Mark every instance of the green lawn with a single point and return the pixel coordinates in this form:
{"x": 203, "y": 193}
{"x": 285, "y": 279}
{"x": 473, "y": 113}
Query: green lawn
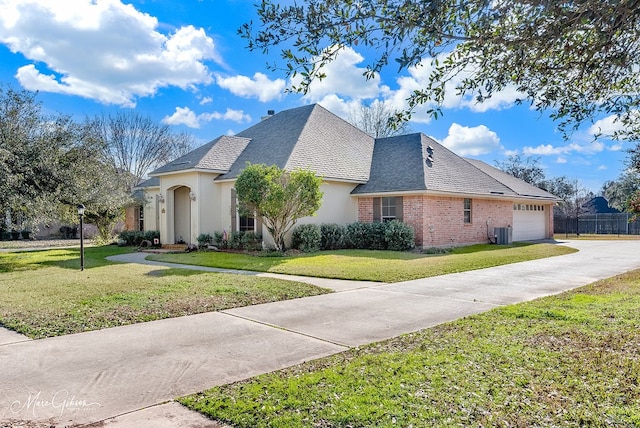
{"x": 385, "y": 266}
{"x": 566, "y": 360}
{"x": 43, "y": 293}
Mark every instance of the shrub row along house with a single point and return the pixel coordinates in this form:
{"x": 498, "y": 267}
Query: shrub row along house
{"x": 447, "y": 199}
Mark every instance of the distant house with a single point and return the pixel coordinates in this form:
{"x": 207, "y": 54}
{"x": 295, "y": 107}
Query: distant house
{"x": 447, "y": 199}
{"x": 599, "y": 205}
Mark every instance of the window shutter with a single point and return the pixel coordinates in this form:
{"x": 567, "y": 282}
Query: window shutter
{"x": 377, "y": 211}
{"x": 234, "y": 211}
{"x": 399, "y": 212}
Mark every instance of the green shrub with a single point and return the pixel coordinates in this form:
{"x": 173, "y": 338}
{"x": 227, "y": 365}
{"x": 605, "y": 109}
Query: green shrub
{"x": 251, "y": 241}
{"x": 150, "y": 235}
{"x": 376, "y": 232}
{"x": 306, "y": 238}
{"x": 399, "y": 236}
{"x": 357, "y": 236}
{"x": 220, "y": 240}
{"x": 235, "y": 240}
{"x": 204, "y": 240}
{"x": 135, "y": 237}
{"x": 332, "y": 236}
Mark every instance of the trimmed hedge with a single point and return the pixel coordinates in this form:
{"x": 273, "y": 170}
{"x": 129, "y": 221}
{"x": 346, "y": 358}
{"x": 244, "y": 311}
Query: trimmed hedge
{"x": 393, "y": 235}
{"x": 248, "y": 241}
{"x": 204, "y": 240}
{"x": 306, "y": 238}
{"x": 399, "y": 236}
{"x": 135, "y": 237}
{"x": 332, "y": 236}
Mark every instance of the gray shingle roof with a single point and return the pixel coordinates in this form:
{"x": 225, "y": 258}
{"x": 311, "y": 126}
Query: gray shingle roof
{"x": 308, "y": 137}
{"x": 150, "y": 182}
{"x": 522, "y": 188}
{"x": 217, "y": 155}
{"x": 312, "y": 137}
{"x": 400, "y": 164}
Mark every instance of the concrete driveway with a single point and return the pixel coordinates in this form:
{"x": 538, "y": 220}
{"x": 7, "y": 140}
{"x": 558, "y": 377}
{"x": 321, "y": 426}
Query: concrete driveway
{"x": 127, "y": 376}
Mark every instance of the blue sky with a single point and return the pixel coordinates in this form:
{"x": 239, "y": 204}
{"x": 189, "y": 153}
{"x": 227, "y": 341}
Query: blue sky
{"x": 183, "y": 64}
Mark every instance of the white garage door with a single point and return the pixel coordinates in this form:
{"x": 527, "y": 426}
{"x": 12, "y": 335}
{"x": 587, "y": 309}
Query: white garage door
{"x": 529, "y": 222}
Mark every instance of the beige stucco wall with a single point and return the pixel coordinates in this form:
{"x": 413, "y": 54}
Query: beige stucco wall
{"x": 338, "y": 206}
{"x": 151, "y": 208}
{"x": 201, "y": 184}
{"x": 211, "y": 209}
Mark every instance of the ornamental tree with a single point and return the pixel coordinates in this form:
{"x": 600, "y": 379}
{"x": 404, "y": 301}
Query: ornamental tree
{"x": 280, "y": 197}
{"x": 577, "y": 59}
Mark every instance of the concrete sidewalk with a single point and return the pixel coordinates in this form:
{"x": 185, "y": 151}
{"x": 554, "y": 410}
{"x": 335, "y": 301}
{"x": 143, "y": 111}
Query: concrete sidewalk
{"x": 127, "y": 376}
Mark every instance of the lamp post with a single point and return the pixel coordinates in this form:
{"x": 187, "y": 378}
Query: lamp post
{"x": 81, "y": 215}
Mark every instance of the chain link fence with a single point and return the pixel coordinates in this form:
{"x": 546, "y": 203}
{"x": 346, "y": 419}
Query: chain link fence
{"x": 609, "y": 224}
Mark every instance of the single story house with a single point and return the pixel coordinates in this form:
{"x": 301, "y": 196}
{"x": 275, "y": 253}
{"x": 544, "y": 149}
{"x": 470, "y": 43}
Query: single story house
{"x": 447, "y": 199}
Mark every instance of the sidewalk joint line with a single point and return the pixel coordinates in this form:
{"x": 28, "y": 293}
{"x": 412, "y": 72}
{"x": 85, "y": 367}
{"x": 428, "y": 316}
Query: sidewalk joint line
{"x": 287, "y": 329}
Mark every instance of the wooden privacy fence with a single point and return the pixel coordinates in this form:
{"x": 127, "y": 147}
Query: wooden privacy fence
{"x": 617, "y": 223}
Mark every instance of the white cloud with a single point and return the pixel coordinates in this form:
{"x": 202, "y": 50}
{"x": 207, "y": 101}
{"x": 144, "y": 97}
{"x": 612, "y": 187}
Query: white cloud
{"x": 544, "y": 149}
{"x": 185, "y": 116}
{"x": 206, "y": 100}
{"x": 182, "y": 116}
{"x": 344, "y": 79}
{"x": 345, "y": 86}
{"x": 102, "y": 50}
{"x": 260, "y": 86}
{"x": 339, "y": 106}
{"x": 561, "y": 159}
{"x": 606, "y": 126}
{"x": 418, "y": 78}
{"x": 230, "y": 114}
{"x": 474, "y": 141}
{"x": 548, "y": 149}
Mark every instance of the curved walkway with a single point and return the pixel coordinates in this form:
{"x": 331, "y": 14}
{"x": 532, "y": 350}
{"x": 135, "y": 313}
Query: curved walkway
{"x": 127, "y": 376}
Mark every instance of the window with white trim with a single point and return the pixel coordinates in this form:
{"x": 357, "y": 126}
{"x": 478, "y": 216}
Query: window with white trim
{"x": 467, "y": 211}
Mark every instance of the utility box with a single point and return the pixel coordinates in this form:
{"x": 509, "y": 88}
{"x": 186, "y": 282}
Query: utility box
{"x": 504, "y": 235}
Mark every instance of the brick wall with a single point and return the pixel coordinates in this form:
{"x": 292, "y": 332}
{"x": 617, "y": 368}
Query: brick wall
{"x": 549, "y": 211}
{"x": 365, "y": 210}
{"x": 438, "y": 221}
{"x": 130, "y": 220}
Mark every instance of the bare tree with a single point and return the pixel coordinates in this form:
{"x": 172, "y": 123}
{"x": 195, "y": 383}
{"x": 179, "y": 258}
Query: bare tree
{"x": 377, "y": 120}
{"x": 136, "y": 145}
{"x": 527, "y": 169}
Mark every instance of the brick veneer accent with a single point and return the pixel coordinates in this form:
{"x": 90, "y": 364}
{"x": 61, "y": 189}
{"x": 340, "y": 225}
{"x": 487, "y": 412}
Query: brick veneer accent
{"x": 130, "y": 218}
{"x": 438, "y": 221}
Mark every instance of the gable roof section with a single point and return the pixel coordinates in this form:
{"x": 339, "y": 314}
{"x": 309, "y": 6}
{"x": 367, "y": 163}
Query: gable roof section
{"x": 308, "y": 137}
{"x": 215, "y": 156}
{"x": 396, "y": 166}
{"x": 148, "y": 183}
{"x": 399, "y": 164}
{"x": 520, "y": 187}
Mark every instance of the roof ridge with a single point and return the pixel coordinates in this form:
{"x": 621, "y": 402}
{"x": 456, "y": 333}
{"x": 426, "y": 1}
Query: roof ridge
{"x": 468, "y": 160}
{"x": 474, "y": 163}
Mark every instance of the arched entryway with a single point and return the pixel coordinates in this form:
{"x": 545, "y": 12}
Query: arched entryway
{"x": 182, "y": 215}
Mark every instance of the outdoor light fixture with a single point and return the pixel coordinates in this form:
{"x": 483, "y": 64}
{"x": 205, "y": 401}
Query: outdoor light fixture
{"x": 81, "y": 215}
